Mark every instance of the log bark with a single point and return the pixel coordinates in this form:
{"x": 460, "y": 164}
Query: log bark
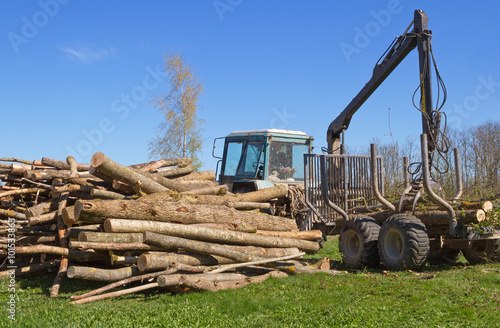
{"x": 150, "y": 166}
{"x": 264, "y": 195}
{"x": 33, "y": 240}
{"x": 54, "y": 174}
{"x": 97, "y": 210}
{"x": 125, "y": 174}
{"x": 203, "y": 175}
{"x": 12, "y": 214}
{"x": 210, "y": 234}
{"x": 228, "y": 226}
{"x": 250, "y": 206}
{"x": 182, "y": 161}
{"x": 293, "y": 267}
{"x": 484, "y": 205}
{"x": 304, "y": 235}
{"x": 215, "y": 282}
{"x": 168, "y": 242}
{"x": 103, "y": 237}
{"x": 73, "y": 232}
{"x": 116, "y": 294}
{"x": 122, "y": 282}
{"x": 81, "y": 245}
{"x": 237, "y": 253}
{"x": 12, "y": 159}
{"x": 22, "y": 191}
{"x": 97, "y": 274}
{"x": 63, "y": 165}
{"x": 437, "y": 217}
{"x": 56, "y": 250}
{"x": 153, "y": 261}
{"x": 251, "y": 266}
{"x": 106, "y": 194}
{"x": 177, "y": 171}
{"x": 214, "y": 190}
{"x": 40, "y": 209}
{"x": 44, "y": 218}
{"x": 73, "y": 166}
{"x": 61, "y": 232}
{"x": 33, "y": 268}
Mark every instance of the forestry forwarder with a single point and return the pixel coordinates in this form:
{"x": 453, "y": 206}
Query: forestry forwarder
{"x": 400, "y": 236}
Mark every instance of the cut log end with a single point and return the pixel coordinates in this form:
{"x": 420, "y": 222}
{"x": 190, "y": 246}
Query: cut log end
{"x": 97, "y": 159}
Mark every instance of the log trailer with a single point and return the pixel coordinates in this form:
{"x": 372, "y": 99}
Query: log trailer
{"x": 400, "y": 236}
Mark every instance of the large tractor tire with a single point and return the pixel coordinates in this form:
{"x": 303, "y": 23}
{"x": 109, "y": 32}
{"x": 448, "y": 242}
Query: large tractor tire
{"x": 448, "y": 256}
{"x": 483, "y": 251}
{"x": 403, "y": 243}
{"x": 358, "y": 242}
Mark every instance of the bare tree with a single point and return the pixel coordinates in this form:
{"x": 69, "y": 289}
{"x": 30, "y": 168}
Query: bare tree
{"x": 179, "y": 135}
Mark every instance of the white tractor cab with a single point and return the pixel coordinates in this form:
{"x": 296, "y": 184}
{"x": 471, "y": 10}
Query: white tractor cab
{"x": 258, "y": 159}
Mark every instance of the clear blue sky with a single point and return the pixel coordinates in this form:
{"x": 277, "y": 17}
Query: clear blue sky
{"x": 77, "y": 76}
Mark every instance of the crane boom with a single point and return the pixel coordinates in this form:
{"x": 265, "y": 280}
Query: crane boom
{"x": 418, "y": 38}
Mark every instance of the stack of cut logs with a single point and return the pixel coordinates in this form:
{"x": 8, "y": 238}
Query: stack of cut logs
{"x": 157, "y": 224}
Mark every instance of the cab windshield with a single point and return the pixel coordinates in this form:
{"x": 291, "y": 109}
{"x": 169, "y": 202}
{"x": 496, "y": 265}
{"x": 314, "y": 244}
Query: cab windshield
{"x": 244, "y": 158}
{"x": 286, "y": 161}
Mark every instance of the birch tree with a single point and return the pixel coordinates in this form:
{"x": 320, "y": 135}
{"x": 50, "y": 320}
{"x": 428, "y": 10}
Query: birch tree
{"x": 179, "y": 135}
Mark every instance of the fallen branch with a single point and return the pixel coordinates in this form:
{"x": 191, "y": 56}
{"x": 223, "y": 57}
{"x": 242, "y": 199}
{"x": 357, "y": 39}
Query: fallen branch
{"x": 116, "y": 294}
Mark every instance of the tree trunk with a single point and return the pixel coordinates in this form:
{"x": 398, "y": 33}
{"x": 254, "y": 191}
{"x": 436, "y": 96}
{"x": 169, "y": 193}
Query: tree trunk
{"x": 63, "y": 165}
{"x": 71, "y": 253}
{"x": 89, "y": 273}
{"x": 106, "y": 194}
{"x": 136, "y": 246}
{"x": 123, "y": 282}
{"x": 214, "y": 190}
{"x": 44, "y": 218}
{"x": 304, "y": 235}
{"x": 73, "y": 232}
{"x": 33, "y": 268}
{"x": 437, "y": 217}
{"x": 203, "y": 175}
{"x": 485, "y": 206}
{"x": 125, "y": 174}
{"x": 12, "y": 214}
{"x": 148, "y": 167}
{"x": 103, "y": 237}
{"x": 117, "y": 293}
{"x": 152, "y": 261}
{"x": 264, "y": 195}
{"x": 97, "y": 210}
{"x": 237, "y": 253}
{"x": 215, "y": 282}
{"x": 40, "y": 209}
{"x": 176, "y": 172}
{"x": 209, "y": 234}
{"x": 228, "y": 226}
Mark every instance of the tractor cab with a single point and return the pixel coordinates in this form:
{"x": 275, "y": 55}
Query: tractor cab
{"x": 258, "y": 159}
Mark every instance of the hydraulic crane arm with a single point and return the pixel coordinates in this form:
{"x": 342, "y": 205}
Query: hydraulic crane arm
{"x": 419, "y": 37}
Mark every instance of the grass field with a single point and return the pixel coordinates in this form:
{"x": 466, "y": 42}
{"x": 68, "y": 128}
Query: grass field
{"x": 438, "y": 296}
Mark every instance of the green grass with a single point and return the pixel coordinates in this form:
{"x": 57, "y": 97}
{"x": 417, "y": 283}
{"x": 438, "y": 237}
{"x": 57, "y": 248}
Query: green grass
{"x": 460, "y": 296}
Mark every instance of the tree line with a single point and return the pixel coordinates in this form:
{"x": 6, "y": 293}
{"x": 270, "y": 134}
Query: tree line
{"x": 479, "y": 148}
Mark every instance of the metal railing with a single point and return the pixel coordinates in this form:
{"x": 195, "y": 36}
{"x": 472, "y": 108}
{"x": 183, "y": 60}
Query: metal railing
{"x": 335, "y": 183}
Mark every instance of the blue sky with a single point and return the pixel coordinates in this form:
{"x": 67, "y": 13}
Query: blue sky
{"x": 77, "y": 76}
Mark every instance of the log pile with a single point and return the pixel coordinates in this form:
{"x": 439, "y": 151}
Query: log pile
{"x": 156, "y": 222}
{"x": 431, "y": 215}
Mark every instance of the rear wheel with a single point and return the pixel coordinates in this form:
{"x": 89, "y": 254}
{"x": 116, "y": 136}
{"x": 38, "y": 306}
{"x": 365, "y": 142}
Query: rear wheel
{"x": 483, "y": 251}
{"x": 358, "y": 242}
{"x": 403, "y": 243}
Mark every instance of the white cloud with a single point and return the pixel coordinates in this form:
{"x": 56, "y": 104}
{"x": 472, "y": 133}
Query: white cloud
{"x": 89, "y": 54}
